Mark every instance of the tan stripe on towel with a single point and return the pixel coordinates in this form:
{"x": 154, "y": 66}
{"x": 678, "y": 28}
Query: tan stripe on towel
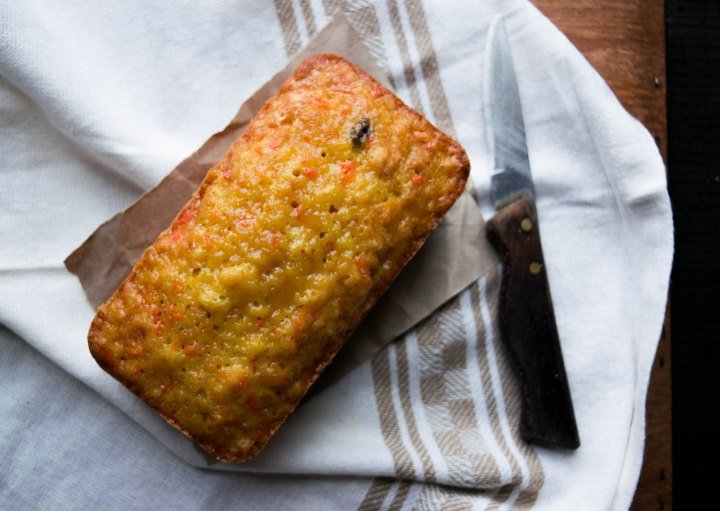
{"x": 429, "y": 66}
{"x": 400, "y": 496}
{"x": 288, "y": 26}
{"x": 388, "y": 421}
{"x": 511, "y": 394}
{"x": 483, "y": 468}
{"x": 365, "y": 21}
{"x": 309, "y": 17}
{"x": 376, "y": 494}
{"x": 526, "y": 499}
{"x": 363, "y": 18}
{"x": 434, "y": 497}
{"x": 499, "y": 498}
{"x": 402, "y": 45}
{"x": 403, "y": 384}
{"x": 333, "y": 6}
{"x": 482, "y": 330}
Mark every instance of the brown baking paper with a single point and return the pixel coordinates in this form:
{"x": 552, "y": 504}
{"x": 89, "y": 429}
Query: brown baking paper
{"x": 452, "y": 258}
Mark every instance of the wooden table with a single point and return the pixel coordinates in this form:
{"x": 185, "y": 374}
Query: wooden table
{"x": 625, "y": 41}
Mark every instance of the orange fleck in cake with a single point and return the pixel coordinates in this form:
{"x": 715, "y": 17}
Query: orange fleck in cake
{"x": 234, "y": 311}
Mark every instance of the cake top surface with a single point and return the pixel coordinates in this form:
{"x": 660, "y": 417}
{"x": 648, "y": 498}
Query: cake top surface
{"x": 231, "y": 314}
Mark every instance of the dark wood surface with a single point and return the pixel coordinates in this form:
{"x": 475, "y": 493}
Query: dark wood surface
{"x": 625, "y": 41}
{"x": 693, "y": 73}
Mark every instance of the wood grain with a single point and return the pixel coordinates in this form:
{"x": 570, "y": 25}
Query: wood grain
{"x": 625, "y": 41}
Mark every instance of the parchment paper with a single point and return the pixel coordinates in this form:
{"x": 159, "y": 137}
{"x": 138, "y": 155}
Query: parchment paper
{"x": 453, "y": 257}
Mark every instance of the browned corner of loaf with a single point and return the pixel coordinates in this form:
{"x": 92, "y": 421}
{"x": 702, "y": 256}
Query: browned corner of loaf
{"x": 464, "y": 161}
{"x": 309, "y": 64}
{"x": 95, "y": 339}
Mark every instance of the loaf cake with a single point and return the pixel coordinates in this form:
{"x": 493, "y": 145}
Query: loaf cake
{"x": 234, "y": 311}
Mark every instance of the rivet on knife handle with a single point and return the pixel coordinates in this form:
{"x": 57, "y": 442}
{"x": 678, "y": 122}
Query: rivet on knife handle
{"x": 529, "y": 330}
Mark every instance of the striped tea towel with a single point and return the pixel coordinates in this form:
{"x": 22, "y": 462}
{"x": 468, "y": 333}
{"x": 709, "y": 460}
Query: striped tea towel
{"x": 100, "y": 100}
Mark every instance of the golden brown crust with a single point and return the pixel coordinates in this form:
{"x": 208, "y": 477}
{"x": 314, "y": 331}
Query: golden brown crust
{"x": 231, "y": 315}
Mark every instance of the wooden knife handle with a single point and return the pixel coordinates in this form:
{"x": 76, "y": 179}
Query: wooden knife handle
{"x": 528, "y": 328}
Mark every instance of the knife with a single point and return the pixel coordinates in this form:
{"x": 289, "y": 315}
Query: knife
{"x": 527, "y": 319}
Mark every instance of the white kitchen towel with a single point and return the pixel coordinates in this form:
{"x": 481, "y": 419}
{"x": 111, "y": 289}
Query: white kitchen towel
{"x": 100, "y": 101}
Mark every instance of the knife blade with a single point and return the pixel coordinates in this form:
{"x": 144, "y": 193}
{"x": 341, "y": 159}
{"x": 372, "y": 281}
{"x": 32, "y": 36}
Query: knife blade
{"x": 527, "y": 318}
